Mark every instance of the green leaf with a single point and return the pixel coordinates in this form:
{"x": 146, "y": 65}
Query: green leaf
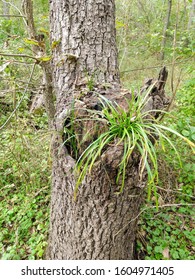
{"x": 40, "y": 226}
{"x": 119, "y": 24}
{"x": 45, "y": 58}
{"x": 2, "y": 67}
{"x": 185, "y": 132}
{"x": 21, "y": 49}
{"x": 174, "y": 255}
{"x": 55, "y": 44}
{"x": 40, "y": 253}
{"x": 43, "y": 30}
{"x": 158, "y": 249}
{"x": 31, "y": 42}
{"x": 193, "y": 136}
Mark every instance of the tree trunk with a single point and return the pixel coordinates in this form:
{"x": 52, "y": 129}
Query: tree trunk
{"x": 99, "y": 224}
{"x": 6, "y": 10}
{"x": 191, "y": 21}
{"x": 166, "y": 25}
{"x": 27, "y": 7}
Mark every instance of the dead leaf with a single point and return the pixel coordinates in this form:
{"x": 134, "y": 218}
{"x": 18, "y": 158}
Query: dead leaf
{"x": 166, "y": 254}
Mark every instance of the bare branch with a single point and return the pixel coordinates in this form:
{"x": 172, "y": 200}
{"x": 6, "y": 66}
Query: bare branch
{"x": 19, "y": 55}
{"x": 21, "y": 62}
{"x": 152, "y": 67}
{"x": 27, "y": 7}
{"x": 22, "y": 98}
{"x": 152, "y": 207}
{"x": 12, "y": 16}
{"x": 16, "y": 9}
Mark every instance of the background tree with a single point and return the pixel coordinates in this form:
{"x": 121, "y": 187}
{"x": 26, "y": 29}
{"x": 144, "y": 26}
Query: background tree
{"x": 191, "y": 16}
{"x": 166, "y": 26}
{"x": 6, "y": 9}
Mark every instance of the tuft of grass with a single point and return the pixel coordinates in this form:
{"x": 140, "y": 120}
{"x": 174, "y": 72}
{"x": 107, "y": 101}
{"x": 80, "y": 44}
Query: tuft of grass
{"x": 138, "y": 130}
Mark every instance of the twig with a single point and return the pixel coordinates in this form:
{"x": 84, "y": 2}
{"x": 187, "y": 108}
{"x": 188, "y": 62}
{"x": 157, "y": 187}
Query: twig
{"x": 151, "y": 67}
{"x": 16, "y": 9}
{"x": 39, "y": 191}
{"x": 19, "y": 81}
{"x": 21, "y": 62}
{"x": 173, "y": 191}
{"x": 174, "y": 90}
{"x": 19, "y": 55}
{"x": 12, "y": 16}
{"x": 152, "y": 207}
{"x": 19, "y": 103}
{"x": 7, "y": 187}
{"x": 3, "y": 92}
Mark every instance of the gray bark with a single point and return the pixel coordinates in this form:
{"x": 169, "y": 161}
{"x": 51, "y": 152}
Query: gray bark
{"x": 6, "y": 10}
{"x": 191, "y": 21}
{"x": 166, "y": 25}
{"x": 85, "y": 30}
{"x": 27, "y": 7}
{"x": 99, "y": 224}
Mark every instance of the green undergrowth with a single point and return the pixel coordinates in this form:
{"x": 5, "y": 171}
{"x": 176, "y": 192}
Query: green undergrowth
{"x": 24, "y": 190}
{"x": 23, "y": 222}
{"x": 169, "y": 232}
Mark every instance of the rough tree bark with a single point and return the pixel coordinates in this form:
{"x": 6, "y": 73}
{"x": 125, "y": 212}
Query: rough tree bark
{"x": 100, "y": 224}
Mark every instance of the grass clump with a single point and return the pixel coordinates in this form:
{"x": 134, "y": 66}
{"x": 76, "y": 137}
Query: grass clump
{"x": 138, "y": 130}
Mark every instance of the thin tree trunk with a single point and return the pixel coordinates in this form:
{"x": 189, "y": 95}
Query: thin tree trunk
{"x": 166, "y": 25}
{"x": 27, "y": 7}
{"x": 6, "y": 10}
{"x": 99, "y": 224}
{"x": 47, "y": 87}
{"x": 191, "y": 21}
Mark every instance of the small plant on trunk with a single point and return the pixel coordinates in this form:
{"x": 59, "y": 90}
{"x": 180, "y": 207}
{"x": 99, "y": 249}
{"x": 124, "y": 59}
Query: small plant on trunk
{"x": 137, "y": 129}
